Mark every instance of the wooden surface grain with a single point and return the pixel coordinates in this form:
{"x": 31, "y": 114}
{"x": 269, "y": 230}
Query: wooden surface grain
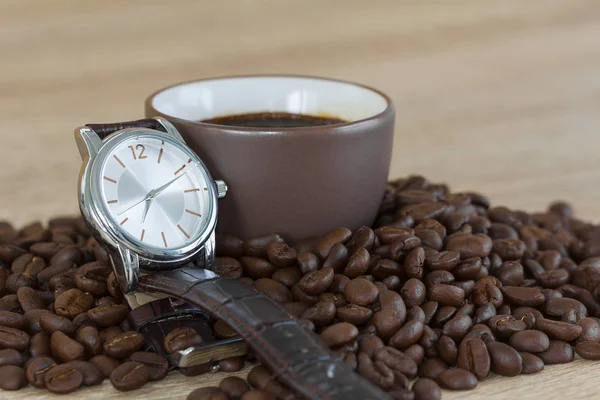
{"x": 497, "y": 96}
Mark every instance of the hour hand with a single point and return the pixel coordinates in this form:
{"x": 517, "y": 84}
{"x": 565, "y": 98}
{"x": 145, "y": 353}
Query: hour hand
{"x": 146, "y": 208}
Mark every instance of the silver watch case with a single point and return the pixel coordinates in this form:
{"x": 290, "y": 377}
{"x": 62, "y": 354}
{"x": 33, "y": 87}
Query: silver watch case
{"x": 128, "y": 257}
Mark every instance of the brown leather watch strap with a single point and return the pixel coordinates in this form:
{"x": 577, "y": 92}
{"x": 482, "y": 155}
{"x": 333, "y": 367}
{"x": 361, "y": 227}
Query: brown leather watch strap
{"x": 103, "y": 130}
{"x": 293, "y": 353}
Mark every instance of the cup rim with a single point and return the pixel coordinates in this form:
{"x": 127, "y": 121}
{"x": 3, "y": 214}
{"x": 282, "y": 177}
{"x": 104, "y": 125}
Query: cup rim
{"x": 309, "y": 129}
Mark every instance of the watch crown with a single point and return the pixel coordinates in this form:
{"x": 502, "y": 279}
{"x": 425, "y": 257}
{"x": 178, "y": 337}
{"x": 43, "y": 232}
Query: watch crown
{"x": 221, "y": 189}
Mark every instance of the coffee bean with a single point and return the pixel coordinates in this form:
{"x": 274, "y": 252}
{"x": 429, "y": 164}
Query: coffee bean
{"x": 46, "y": 250}
{"x": 358, "y": 263}
{"x": 158, "y": 366}
{"x": 447, "y": 350}
{"x": 337, "y": 258}
{"x": 532, "y": 341}
{"x": 108, "y": 315}
{"x": 51, "y": 323}
{"x": 10, "y": 357}
{"x": 532, "y": 364}
{"x": 478, "y": 245}
{"x": 8, "y": 253}
{"x": 376, "y": 372}
{"x": 590, "y": 331}
{"x": 588, "y": 350}
{"x": 339, "y": 334}
{"x": 256, "y": 267}
{"x": 413, "y": 292}
{"x": 12, "y": 377}
{"x": 89, "y": 338}
{"x": 426, "y": 389}
{"x": 473, "y": 356}
{"x": 557, "y": 353}
{"x": 256, "y": 394}
{"x": 321, "y": 313}
{"x": 387, "y": 322}
{"x": 457, "y": 379}
{"x": 414, "y": 262}
{"x": 558, "y": 329}
{"x": 73, "y": 302}
{"x": 274, "y": 289}
{"x": 130, "y": 375}
{"x": 408, "y": 334}
{"x": 316, "y": 282}
{"x": 504, "y": 359}
{"x": 396, "y": 361}
{"x": 569, "y": 310}
{"x": 369, "y": 345}
{"x": 234, "y": 386}
{"x": 228, "y": 245}
{"x": 127, "y": 343}
{"x": 64, "y": 348}
{"x": 105, "y": 364}
{"x": 363, "y": 238}
{"x": 505, "y": 326}
{"x": 208, "y": 393}
{"x": 523, "y": 296}
{"x": 92, "y": 375}
{"x": 63, "y": 379}
{"x": 12, "y": 320}
{"x": 37, "y": 368}
{"x": 92, "y": 277}
{"x": 432, "y": 368}
{"x": 360, "y": 291}
{"x": 228, "y": 266}
{"x": 457, "y": 327}
{"x": 231, "y": 364}
{"x": 288, "y": 276}
{"x": 327, "y": 241}
{"x": 447, "y": 295}
{"x": 354, "y": 314}
{"x": 11, "y": 338}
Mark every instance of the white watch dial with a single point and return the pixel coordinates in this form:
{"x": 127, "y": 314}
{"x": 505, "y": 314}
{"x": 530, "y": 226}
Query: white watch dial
{"x": 155, "y": 192}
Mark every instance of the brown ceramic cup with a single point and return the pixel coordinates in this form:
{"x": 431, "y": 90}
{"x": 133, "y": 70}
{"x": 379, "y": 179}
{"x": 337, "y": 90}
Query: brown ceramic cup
{"x": 298, "y": 182}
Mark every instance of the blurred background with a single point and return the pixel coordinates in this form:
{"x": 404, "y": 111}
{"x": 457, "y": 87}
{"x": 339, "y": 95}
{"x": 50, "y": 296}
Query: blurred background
{"x": 498, "y": 96}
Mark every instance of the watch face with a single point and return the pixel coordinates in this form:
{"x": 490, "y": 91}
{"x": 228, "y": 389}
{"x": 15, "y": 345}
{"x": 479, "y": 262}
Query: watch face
{"x": 154, "y": 191}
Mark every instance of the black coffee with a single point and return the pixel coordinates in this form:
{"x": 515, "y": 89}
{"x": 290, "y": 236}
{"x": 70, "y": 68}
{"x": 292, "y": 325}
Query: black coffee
{"x": 274, "y": 120}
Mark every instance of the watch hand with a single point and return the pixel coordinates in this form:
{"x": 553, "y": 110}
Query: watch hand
{"x": 141, "y": 201}
{"x": 146, "y": 208}
{"x": 159, "y": 190}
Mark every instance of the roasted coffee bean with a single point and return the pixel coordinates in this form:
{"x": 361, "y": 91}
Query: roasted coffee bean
{"x": 92, "y": 277}
{"x": 523, "y": 296}
{"x": 228, "y": 266}
{"x": 554, "y": 278}
{"x": 387, "y": 322}
{"x": 40, "y": 345}
{"x": 590, "y": 331}
{"x": 447, "y": 350}
{"x": 369, "y": 345}
{"x": 274, "y": 290}
{"x": 108, "y": 315}
{"x": 413, "y": 292}
{"x": 37, "y": 368}
{"x": 281, "y": 255}
{"x": 92, "y": 375}
{"x": 408, "y": 334}
{"x": 50, "y": 323}
{"x": 505, "y": 326}
{"x": 208, "y": 393}
{"x": 415, "y": 313}
{"x": 127, "y": 343}
{"x": 532, "y": 364}
{"x": 10, "y": 357}
{"x": 64, "y": 348}
{"x": 33, "y": 320}
{"x": 256, "y": 267}
{"x": 504, "y": 359}
{"x": 415, "y": 353}
{"x": 231, "y": 364}
{"x": 414, "y": 262}
{"x": 457, "y": 379}
{"x": 73, "y": 302}
{"x": 234, "y": 386}
{"x": 557, "y": 353}
{"x": 12, "y": 377}
{"x": 398, "y": 362}
{"x": 531, "y": 341}
{"x": 339, "y": 334}
{"x": 182, "y": 338}
{"x": 569, "y": 310}
{"x": 432, "y": 368}
{"x": 426, "y": 389}
{"x": 158, "y": 366}
{"x": 337, "y": 258}
{"x": 228, "y": 245}
{"x": 331, "y": 238}
{"x": 89, "y": 338}
{"x": 558, "y": 329}
{"x": 430, "y": 308}
{"x": 8, "y": 253}
{"x": 316, "y": 282}
{"x": 130, "y": 375}
{"x": 443, "y": 315}
{"x": 68, "y": 254}
{"x": 195, "y": 370}
{"x": 105, "y": 364}
{"x": 429, "y": 340}
{"x": 360, "y": 291}
{"x": 473, "y": 356}
{"x": 447, "y": 295}
{"x": 478, "y": 245}
{"x": 484, "y": 313}
{"x": 288, "y": 276}
{"x": 12, "y": 320}
{"x": 11, "y": 338}
{"x": 321, "y": 313}
{"x": 308, "y": 262}
{"x": 358, "y": 263}
{"x": 457, "y": 327}
{"x": 63, "y": 379}
{"x": 109, "y": 333}
{"x": 376, "y": 372}
{"x": 46, "y": 250}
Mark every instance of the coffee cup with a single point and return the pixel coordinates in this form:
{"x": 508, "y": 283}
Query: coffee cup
{"x": 297, "y": 181}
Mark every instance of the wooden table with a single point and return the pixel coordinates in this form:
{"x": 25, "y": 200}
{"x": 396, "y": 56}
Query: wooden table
{"x": 497, "y": 96}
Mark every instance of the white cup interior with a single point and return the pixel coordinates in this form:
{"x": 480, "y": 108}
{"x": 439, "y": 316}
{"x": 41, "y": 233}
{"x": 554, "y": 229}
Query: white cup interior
{"x": 201, "y": 100}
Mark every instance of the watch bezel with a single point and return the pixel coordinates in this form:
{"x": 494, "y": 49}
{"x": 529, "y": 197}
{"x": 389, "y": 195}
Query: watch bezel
{"x": 107, "y": 230}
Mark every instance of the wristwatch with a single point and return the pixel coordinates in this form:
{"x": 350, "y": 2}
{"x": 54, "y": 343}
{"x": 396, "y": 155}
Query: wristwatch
{"x": 151, "y": 202}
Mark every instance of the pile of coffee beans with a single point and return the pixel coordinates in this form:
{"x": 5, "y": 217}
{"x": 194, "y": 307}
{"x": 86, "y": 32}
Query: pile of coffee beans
{"x": 442, "y": 292}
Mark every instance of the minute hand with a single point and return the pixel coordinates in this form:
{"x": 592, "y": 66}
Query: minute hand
{"x": 157, "y": 191}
